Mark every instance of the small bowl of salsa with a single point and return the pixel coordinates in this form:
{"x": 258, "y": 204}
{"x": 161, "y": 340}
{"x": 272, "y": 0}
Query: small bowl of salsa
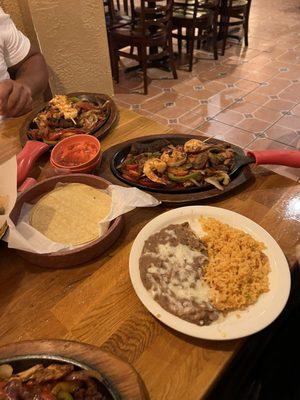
{"x": 80, "y": 153}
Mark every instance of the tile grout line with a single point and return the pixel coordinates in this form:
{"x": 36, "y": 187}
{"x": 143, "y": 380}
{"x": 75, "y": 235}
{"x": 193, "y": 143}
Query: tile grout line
{"x": 234, "y": 102}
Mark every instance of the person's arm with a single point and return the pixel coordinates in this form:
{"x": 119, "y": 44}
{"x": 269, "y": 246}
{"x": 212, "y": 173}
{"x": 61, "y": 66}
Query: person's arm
{"x": 30, "y": 77}
{"x": 32, "y": 72}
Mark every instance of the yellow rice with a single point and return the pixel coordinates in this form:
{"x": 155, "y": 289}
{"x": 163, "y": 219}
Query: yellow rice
{"x": 237, "y": 271}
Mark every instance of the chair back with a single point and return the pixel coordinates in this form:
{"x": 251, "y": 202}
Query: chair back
{"x": 115, "y": 10}
{"x": 191, "y": 8}
{"x": 227, "y": 5}
{"x": 156, "y": 18}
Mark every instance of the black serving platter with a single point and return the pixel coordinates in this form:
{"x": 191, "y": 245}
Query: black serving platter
{"x": 121, "y": 155}
{"x": 113, "y": 156}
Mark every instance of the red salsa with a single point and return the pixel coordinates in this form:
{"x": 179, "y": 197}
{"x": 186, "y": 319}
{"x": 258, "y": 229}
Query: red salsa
{"x": 76, "y": 154}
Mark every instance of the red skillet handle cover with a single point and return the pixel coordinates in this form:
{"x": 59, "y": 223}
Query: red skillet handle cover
{"x": 26, "y": 184}
{"x": 289, "y": 158}
{"x": 27, "y": 157}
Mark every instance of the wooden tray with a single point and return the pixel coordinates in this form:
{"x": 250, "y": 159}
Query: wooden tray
{"x": 68, "y": 258}
{"x": 100, "y": 133}
{"x": 242, "y": 176}
{"x": 122, "y": 377}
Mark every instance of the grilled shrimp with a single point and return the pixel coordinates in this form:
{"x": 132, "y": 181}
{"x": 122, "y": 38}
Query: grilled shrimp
{"x": 153, "y": 167}
{"x": 194, "y": 146}
{"x": 174, "y": 157}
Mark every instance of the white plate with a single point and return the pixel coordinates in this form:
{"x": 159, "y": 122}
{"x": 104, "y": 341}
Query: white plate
{"x": 235, "y": 324}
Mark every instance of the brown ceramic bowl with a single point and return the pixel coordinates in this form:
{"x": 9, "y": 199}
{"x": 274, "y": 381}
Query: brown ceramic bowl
{"x": 68, "y": 258}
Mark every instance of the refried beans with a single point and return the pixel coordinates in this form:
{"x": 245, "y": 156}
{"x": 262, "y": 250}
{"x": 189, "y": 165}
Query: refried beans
{"x": 171, "y": 268}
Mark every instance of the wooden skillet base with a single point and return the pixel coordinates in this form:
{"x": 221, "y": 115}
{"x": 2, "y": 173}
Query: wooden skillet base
{"x": 173, "y": 199}
{"x": 121, "y": 375}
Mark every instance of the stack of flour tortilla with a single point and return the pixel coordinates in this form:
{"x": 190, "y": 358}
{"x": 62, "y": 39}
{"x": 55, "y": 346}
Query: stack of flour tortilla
{"x": 71, "y": 214}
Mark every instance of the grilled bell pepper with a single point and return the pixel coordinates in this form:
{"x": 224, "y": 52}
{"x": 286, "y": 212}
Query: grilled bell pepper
{"x": 65, "y": 387}
{"x": 193, "y": 175}
{"x": 64, "y": 396}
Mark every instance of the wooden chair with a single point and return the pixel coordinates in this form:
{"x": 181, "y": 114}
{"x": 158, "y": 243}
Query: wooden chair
{"x": 151, "y": 34}
{"x": 238, "y": 10}
{"x": 191, "y": 15}
{"x": 115, "y": 14}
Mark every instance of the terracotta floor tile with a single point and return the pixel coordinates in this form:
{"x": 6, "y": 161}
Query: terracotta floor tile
{"x": 182, "y": 105}
{"x": 291, "y": 93}
{"x": 260, "y": 60}
{"x": 234, "y": 92}
{"x": 273, "y": 87}
{"x": 273, "y": 68}
{"x": 292, "y": 72}
{"x": 267, "y": 114}
{"x": 161, "y": 101}
{"x": 291, "y": 57}
{"x": 165, "y": 83}
{"x": 206, "y": 75}
{"x": 296, "y": 110}
{"x": 228, "y": 79}
{"x": 244, "y": 107}
{"x": 229, "y": 117}
{"x": 207, "y": 110}
{"x": 257, "y": 76}
{"x": 279, "y": 104}
{"x": 275, "y": 51}
{"x": 220, "y": 100}
{"x": 242, "y": 53}
{"x": 282, "y": 134}
{"x": 191, "y": 119}
{"x": 256, "y": 98}
{"x": 171, "y": 112}
{"x": 291, "y": 122}
{"x": 247, "y": 85}
{"x": 237, "y": 136}
{"x": 213, "y": 128}
{"x": 198, "y": 94}
{"x": 253, "y": 125}
{"x": 215, "y": 86}
{"x": 266, "y": 144}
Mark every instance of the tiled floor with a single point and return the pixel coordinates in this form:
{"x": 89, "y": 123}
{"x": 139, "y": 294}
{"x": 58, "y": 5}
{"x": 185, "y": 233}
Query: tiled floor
{"x": 249, "y": 97}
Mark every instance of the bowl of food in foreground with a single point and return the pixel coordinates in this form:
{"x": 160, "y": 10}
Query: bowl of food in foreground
{"x": 68, "y": 115}
{"x": 67, "y": 209}
{"x": 209, "y": 272}
{"x": 83, "y": 371}
{"x": 80, "y": 153}
{"x": 176, "y": 168}
{"x": 52, "y": 378}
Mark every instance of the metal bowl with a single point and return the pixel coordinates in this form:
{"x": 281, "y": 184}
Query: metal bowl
{"x": 20, "y": 363}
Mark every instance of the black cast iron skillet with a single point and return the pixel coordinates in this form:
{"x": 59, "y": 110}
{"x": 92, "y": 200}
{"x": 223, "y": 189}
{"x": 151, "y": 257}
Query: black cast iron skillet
{"x": 281, "y": 157}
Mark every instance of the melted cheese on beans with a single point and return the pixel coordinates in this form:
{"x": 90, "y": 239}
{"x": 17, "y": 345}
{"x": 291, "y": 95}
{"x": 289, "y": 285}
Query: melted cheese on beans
{"x": 177, "y": 278}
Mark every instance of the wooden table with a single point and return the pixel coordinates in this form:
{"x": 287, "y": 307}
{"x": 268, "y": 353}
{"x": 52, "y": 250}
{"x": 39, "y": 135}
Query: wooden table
{"x": 96, "y": 304}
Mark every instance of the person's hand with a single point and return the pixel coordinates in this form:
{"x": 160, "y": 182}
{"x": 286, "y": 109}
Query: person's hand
{"x": 15, "y": 98}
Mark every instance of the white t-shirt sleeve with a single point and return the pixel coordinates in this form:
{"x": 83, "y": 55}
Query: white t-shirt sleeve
{"x": 16, "y": 45}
